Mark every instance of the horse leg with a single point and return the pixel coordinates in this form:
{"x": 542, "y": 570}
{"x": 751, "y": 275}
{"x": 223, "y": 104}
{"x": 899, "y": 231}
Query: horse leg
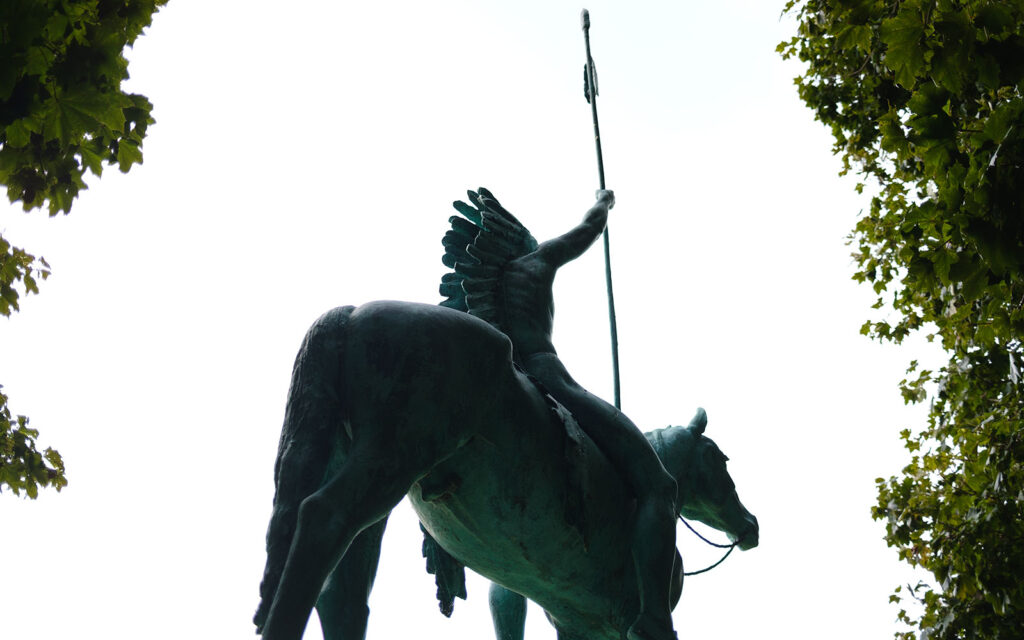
{"x": 508, "y": 612}
{"x": 378, "y": 471}
{"x": 365, "y": 489}
{"x": 342, "y": 603}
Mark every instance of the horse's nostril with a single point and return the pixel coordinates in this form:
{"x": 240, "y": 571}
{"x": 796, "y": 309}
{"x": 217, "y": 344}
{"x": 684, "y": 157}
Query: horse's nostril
{"x": 750, "y": 540}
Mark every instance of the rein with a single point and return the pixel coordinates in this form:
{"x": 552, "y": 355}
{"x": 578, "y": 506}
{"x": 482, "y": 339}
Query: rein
{"x": 730, "y": 547}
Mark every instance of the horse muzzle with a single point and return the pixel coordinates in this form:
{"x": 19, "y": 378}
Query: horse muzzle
{"x": 750, "y": 536}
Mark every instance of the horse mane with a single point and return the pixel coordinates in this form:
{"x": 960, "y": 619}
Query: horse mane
{"x": 674, "y": 449}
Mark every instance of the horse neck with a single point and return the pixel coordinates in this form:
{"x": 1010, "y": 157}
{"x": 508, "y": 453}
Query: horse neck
{"x": 676, "y": 447}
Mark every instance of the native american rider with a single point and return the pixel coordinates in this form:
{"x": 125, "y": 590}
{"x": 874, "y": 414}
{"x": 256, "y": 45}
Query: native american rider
{"x": 503, "y": 276}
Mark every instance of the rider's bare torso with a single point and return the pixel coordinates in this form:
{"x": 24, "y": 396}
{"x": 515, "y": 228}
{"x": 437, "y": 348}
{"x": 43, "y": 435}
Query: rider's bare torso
{"x": 527, "y": 282}
{"x": 529, "y": 305}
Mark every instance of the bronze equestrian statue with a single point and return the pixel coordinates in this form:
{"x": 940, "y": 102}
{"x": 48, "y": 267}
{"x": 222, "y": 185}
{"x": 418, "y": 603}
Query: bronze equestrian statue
{"x": 514, "y": 469}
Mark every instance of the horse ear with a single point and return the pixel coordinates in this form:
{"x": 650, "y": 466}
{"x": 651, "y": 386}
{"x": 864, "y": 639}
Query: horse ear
{"x": 699, "y": 422}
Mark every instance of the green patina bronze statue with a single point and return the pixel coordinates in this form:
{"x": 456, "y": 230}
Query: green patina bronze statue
{"x": 514, "y": 469}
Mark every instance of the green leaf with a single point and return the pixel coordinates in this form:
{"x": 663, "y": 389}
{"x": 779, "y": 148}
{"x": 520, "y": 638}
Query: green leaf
{"x": 942, "y": 261}
{"x": 855, "y": 36}
{"x": 987, "y": 71}
{"x": 929, "y": 100}
{"x": 999, "y": 123}
{"x": 937, "y": 156}
{"x": 902, "y": 36}
{"x": 19, "y": 132}
{"x": 948, "y": 68}
{"x": 56, "y": 26}
{"x": 76, "y": 113}
{"x": 950, "y": 63}
{"x": 55, "y": 125}
{"x": 38, "y": 60}
{"x": 91, "y": 160}
{"x": 94, "y": 108}
{"x": 975, "y": 284}
{"x": 128, "y": 153}
{"x": 995, "y": 18}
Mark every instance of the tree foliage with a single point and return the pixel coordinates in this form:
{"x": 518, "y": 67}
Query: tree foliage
{"x": 62, "y": 112}
{"x": 923, "y": 97}
{"x": 22, "y": 467}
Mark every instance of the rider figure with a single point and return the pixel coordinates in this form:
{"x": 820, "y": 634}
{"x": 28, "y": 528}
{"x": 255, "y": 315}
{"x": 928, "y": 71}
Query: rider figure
{"x": 529, "y": 305}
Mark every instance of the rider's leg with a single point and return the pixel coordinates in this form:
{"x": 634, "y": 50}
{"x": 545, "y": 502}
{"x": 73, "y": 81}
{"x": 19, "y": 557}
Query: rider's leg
{"x": 508, "y": 612}
{"x": 653, "y": 544}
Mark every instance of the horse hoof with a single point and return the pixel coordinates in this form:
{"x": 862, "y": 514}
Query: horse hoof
{"x": 645, "y": 627}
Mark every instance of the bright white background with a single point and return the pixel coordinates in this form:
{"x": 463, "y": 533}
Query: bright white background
{"x": 304, "y": 157}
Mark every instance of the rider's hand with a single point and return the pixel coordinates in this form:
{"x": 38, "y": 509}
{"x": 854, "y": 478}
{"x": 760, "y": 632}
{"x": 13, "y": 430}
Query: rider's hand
{"x": 606, "y": 196}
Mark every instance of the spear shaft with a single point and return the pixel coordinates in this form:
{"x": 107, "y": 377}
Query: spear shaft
{"x": 590, "y": 89}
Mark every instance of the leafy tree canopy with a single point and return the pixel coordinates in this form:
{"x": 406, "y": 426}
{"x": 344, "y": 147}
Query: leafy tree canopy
{"x": 62, "y": 112}
{"x": 923, "y": 97}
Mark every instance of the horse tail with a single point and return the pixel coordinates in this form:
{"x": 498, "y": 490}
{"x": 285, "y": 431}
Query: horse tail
{"x": 313, "y": 436}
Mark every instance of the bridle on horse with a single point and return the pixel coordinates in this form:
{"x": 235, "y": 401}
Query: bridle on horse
{"x": 730, "y": 547}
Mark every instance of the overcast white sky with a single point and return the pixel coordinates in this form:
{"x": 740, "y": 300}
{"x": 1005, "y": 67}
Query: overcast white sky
{"x": 305, "y": 157}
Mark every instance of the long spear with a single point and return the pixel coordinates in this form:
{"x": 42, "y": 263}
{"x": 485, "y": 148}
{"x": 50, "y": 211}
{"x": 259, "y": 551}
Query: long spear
{"x": 590, "y": 92}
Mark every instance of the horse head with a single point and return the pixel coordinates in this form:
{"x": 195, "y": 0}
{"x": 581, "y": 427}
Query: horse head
{"x": 706, "y": 492}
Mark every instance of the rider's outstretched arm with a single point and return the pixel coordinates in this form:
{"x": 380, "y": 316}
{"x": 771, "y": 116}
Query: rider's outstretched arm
{"x": 571, "y": 245}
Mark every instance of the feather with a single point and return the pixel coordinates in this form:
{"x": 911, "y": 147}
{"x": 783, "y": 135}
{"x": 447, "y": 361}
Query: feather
{"x": 463, "y": 226}
{"x": 466, "y": 210}
{"x": 483, "y": 256}
{"x": 509, "y": 226}
{"x": 459, "y": 304}
{"x": 477, "y": 270}
{"x": 496, "y": 222}
{"x": 514, "y": 239}
{"x": 491, "y": 204}
{"x": 450, "y": 259}
{"x": 452, "y": 290}
{"x": 454, "y": 239}
{"x": 494, "y": 245}
{"x": 479, "y": 286}
{"x": 457, "y": 249}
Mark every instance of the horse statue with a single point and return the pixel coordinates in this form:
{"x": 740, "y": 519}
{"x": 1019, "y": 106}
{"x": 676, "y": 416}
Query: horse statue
{"x": 394, "y": 398}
